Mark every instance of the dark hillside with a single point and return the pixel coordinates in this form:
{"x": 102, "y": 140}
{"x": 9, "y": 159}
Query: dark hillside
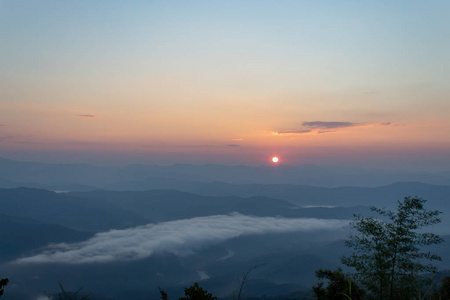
{"x": 69, "y": 211}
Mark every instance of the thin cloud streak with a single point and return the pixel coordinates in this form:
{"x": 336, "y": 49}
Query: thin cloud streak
{"x": 320, "y": 127}
{"x": 5, "y": 138}
{"x": 181, "y": 237}
{"x": 329, "y": 125}
{"x": 291, "y": 132}
{"x": 86, "y": 116}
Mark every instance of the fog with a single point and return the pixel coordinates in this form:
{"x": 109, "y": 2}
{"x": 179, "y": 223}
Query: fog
{"x": 181, "y": 237}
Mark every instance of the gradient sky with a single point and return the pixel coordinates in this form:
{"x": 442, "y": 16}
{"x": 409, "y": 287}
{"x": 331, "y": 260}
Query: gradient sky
{"x": 360, "y": 83}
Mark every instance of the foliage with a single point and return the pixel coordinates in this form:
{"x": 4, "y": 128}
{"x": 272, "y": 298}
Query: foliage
{"x": 3, "y": 284}
{"x": 163, "y": 293}
{"x": 195, "y": 292}
{"x": 388, "y": 258}
{"x": 64, "y": 295}
{"x": 340, "y": 286}
{"x": 444, "y": 291}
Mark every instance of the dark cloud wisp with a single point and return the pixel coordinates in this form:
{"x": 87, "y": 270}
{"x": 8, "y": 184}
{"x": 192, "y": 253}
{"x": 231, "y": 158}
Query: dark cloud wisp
{"x": 328, "y": 125}
{"x": 294, "y": 131}
{"x": 8, "y": 137}
{"x": 319, "y": 127}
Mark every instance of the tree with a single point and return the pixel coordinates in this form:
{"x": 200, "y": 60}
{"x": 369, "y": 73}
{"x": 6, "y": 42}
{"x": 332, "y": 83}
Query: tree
{"x": 3, "y": 284}
{"x": 388, "y": 258}
{"x": 243, "y": 281}
{"x": 340, "y": 286}
{"x": 443, "y": 293}
{"x": 195, "y": 292}
{"x": 64, "y": 295}
{"x": 163, "y": 293}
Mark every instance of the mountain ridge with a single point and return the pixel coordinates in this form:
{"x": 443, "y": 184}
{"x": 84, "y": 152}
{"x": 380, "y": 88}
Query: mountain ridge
{"x": 54, "y": 175}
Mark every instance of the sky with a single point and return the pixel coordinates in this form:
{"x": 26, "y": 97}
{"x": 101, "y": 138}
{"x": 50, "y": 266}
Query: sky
{"x": 357, "y": 83}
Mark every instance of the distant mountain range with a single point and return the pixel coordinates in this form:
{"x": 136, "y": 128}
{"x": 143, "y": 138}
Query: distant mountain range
{"x": 83, "y": 177}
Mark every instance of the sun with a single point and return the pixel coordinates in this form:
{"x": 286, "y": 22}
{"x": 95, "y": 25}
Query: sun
{"x": 275, "y": 159}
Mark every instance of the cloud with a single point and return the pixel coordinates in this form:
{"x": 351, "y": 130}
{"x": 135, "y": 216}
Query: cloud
{"x": 181, "y": 237}
{"x": 28, "y": 143}
{"x": 230, "y": 254}
{"x": 328, "y": 125}
{"x": 5, "y": 138}
{"x": 319, "y": 127}
{"x": 324, "y": 131}
{"x": 86, "y": 116}
{"x": 233, "y": 145}
{"x": 291, "y": 132}
{"x": 203, "y": 275}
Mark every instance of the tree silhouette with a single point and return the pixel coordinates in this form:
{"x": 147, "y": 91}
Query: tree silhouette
{"x": 340, "y": 286}
{"x": 388, "y": 258}
{"x": 444, "y": 291}
{"x": 3, "y": 284}
{"x": 65, "y": 295}
{"x": 243, "y": 281}
{"x": 163, "y": 293}
{"x": 195, "y": 292}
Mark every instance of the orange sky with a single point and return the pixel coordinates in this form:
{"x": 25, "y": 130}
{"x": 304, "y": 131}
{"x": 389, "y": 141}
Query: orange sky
{"x": 234, "y": 82}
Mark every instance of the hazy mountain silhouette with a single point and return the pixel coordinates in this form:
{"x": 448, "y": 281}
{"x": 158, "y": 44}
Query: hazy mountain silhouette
{"x": 82, "y": 177}
{"x": 340, "y": 196}
{"x": 19, "y": 236}
{"x": 165, "y": 205}
{"x": 53, "y": 208}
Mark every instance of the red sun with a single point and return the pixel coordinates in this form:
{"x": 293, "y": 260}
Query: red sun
{"x": 275, "y": 159}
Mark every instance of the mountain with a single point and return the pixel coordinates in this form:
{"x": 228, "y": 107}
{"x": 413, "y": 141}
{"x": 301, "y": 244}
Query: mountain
{"x": 83, "y": 177}
{"x": 103, "y": 210}
{"x": 19, "y": 236}
{"x": 339, "y": 196}
{"x": 75, "y": 213}
{"x": 344, "y": 200}
{"x": 166, "y": 205}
